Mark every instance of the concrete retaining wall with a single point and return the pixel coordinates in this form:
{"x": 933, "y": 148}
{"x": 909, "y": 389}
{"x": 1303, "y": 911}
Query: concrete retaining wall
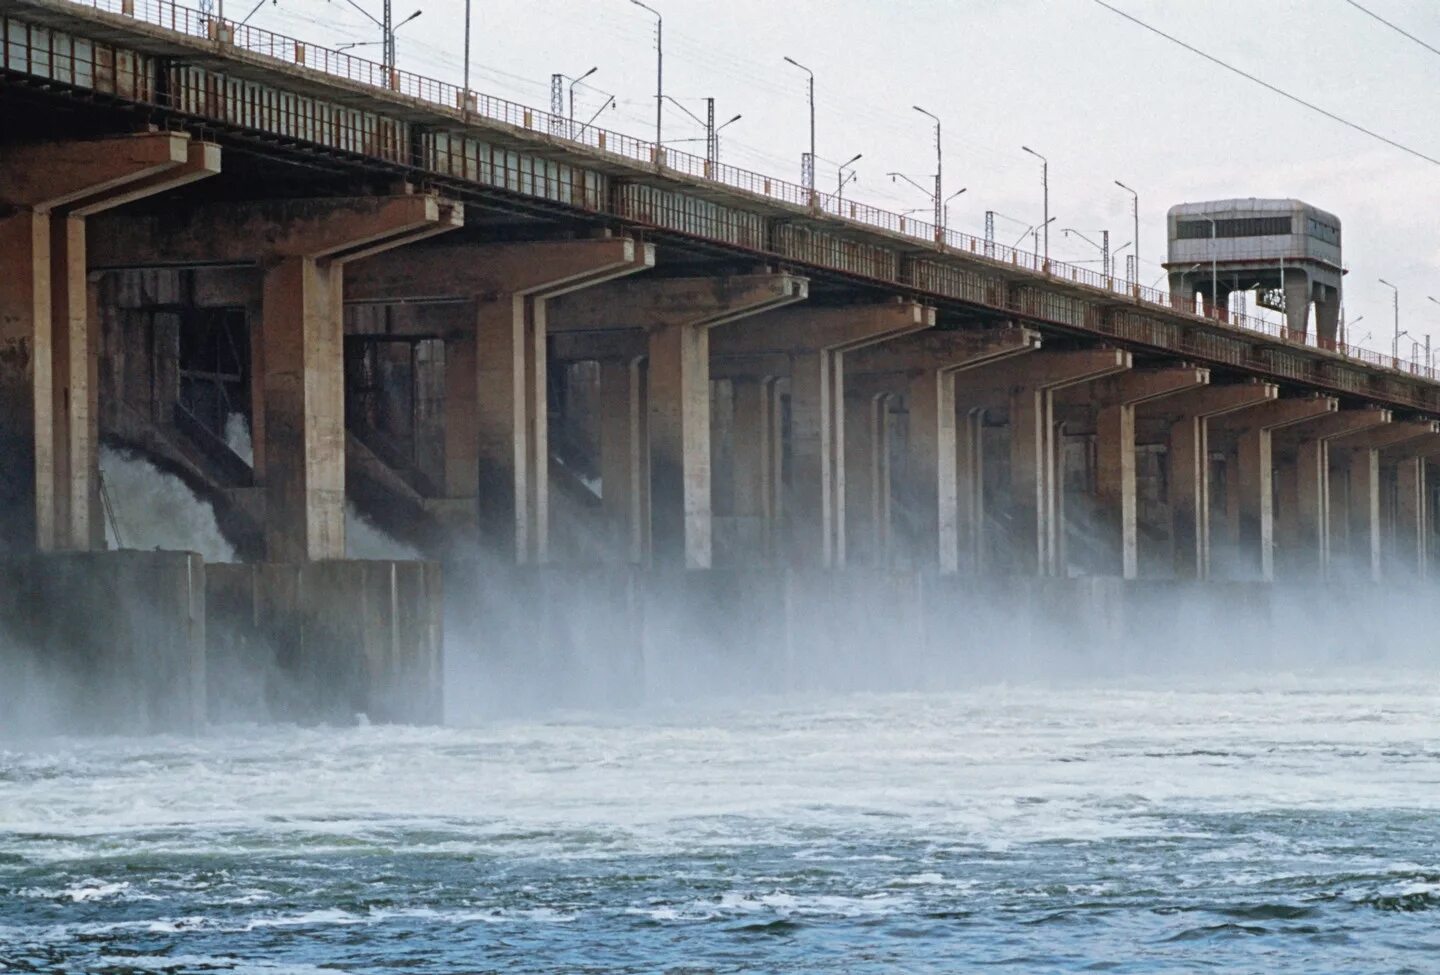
{"x": 102, "y": 642}
{"x": 326, "y": 641}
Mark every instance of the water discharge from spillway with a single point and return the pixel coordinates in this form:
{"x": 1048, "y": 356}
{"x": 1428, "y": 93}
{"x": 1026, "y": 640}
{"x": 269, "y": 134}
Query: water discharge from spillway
{"x": 572, "y": 643}
{"x": 150, "y": 508}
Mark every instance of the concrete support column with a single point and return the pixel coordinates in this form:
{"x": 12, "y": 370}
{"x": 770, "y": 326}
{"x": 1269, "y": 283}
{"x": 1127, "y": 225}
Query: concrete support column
{"x": 1307, "y": 510}
{"x": 1189, "y": 460}
{"x": 512, "y": 430}
{"x": 1297, "y": 302}
{"x": 678, "y": 401}
{"x": 1251, "y": 488}
{"x": 75, "y": 403}
{"x": 675, "y": 315}
{"x": 302, "y": 247}
{"x": 48, "y": 390}
{"x": 624, "y": 456}
{"x": 1412, "y": 530}
{"x": 1412, "y": 523}
{"x": 461, "y": 436}
{"x": 814, "y": 342}
{"x": 1302, "y": 460}
{"x": 1362, "y": 478}
{"x": 931, "y": 401}
{"x": 970, "y": 487}
{"x": 27, "y": 424}
{"x": 815, "y": 524}
{"x": 1114, "y": 403}
{"x": 925, "y": 366}
{"x": 302, "y": 387}
{"x": 756, "y": 456}
{"x": 1255, "y": 523}
{"x": 1327, "y": 317}
{"x": 1031, "y": 460}
{"x": 1190, "y": 417}
{"x": 867, "y": 479}
{"x": 1359, "y": 458}
{"x": 512, "y": 287}
{"x": 1036, "y": 503}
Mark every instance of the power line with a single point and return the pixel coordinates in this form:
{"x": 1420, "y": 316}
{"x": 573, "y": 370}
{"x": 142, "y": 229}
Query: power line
{"x": 1279, "y": 91}
{"x": 1395, "y": 27}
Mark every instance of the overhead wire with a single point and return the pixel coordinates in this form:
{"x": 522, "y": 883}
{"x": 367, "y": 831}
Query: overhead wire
{"x": 1395, "y": 27}
{"x": 1393, "y": 143}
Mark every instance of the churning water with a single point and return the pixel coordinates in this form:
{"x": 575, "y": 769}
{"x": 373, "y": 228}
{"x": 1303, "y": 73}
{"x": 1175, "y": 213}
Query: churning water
{"x": 1273, "y": 824}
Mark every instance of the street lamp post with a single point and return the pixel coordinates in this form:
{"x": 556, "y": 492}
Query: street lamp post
{"x": 714, "y": 142}
{"x": 1345, "y": 329}
{"x": 573, "y": 83}
{"x": 1397, "y": 309}
{"x": 946, "y": 206}
{"x": 1033, "y": 232}
{"x": 842, "y": 177}
{"x": 807, "y": 168}
{"x": 1134, "y": 212}
{"x": 1115, "y": 256}
{"x": 1428, "y": 362}
{"x": 659, "y": 71}
{"x": 1214, "y": 277}
{"x": 1045, "y": 188}
{"x": 1395, "y": 347}
{"x": 939, "y": 169}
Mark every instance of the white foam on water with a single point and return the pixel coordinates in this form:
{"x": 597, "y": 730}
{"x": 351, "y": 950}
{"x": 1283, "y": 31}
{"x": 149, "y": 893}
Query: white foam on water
{"x": 987, "y": 769}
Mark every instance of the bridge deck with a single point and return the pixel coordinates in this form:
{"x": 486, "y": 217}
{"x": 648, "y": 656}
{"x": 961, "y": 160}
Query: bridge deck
{"x": 300, "y": 98}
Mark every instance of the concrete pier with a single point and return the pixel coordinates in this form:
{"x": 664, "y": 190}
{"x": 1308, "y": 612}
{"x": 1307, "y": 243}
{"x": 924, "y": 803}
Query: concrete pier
{"x": 1249, "y": 476}
{"x": 928, "y": 365}
{"x": 1187, "y": 417}
{"x": 1027, "y": 388}
{"x": 674, "y": 317}
{"x": 48, "y": 410}
{"x": 496, "y": 429}
{"x": 1113, "y": 403}
{"x": 809, "y": 345}
{"x": 299, "y": 250}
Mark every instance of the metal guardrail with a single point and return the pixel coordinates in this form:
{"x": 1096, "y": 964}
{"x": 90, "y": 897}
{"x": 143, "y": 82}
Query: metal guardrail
{"x": 338, "y": 64}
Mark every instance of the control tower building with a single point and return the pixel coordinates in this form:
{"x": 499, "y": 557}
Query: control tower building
{"x": 1285, "y": 250}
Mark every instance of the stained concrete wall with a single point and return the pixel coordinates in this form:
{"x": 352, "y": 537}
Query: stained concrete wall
{"x": 326, "y": 641}
{"x": 103, "y": 642}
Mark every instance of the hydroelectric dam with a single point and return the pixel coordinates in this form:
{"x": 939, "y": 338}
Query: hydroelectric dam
{"x": 619, "y": 399}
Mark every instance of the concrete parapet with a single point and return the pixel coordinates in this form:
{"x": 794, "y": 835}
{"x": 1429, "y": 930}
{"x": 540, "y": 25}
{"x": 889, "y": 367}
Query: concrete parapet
{"x": 103, "y": 642}
{"x": 326, "y": 641}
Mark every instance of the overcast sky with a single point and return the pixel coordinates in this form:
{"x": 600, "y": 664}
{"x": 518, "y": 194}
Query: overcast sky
{"x": 1102, "y": 98}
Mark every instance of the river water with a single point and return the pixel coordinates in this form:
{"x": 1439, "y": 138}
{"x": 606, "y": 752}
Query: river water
{"x": 1280, "y": 823}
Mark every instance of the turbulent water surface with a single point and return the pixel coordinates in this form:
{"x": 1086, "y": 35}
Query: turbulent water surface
{"x": 1277, "y": 825}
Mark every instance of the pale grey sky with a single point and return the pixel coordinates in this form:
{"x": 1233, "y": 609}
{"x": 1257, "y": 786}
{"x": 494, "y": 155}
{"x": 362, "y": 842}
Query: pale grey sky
{"x": 1102, "y": 98}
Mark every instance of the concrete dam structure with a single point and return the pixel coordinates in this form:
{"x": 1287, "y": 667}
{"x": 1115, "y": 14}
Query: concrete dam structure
{"x": 620, "y": 397}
